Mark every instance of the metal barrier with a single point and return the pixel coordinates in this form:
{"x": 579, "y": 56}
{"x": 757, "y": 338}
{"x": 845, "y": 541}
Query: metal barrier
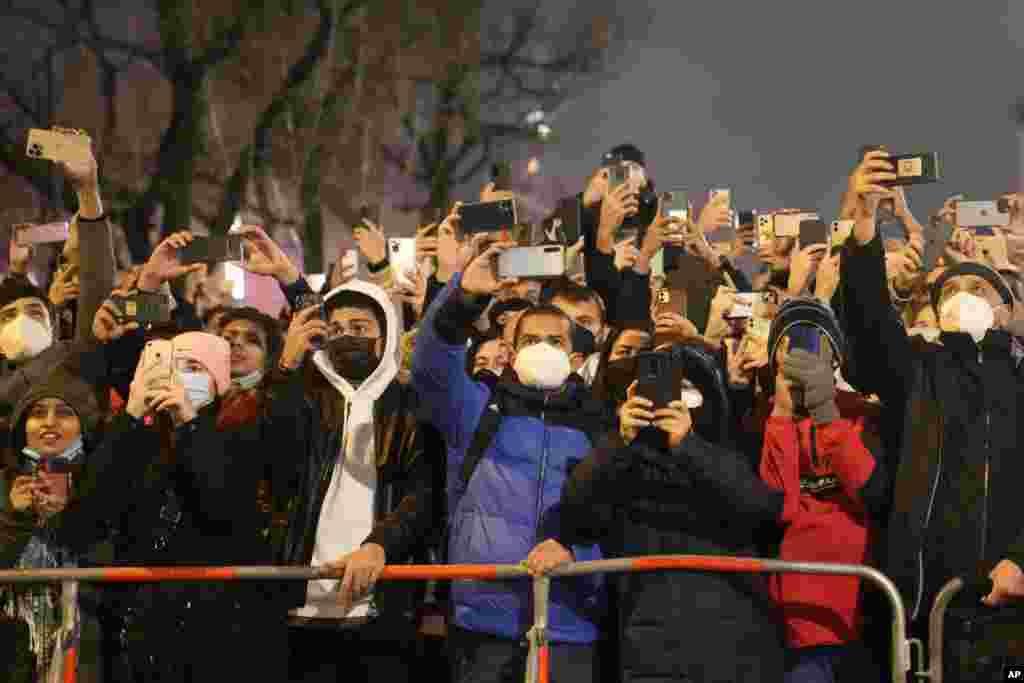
{"x": 537, "y": 660}
{"x": 936, "y": 623}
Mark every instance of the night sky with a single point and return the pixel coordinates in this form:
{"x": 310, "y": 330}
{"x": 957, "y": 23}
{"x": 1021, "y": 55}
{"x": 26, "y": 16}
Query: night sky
{"x": 773, "y": 99}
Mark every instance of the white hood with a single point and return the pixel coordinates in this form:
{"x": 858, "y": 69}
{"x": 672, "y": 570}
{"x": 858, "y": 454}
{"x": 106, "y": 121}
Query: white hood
{"x": 347, "y": 514}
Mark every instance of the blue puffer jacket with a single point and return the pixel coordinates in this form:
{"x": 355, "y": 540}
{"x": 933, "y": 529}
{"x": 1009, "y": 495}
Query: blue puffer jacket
{"x": 512, "y": 500}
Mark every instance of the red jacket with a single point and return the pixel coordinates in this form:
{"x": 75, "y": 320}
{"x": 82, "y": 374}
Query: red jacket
{"x": 825, "y": 520}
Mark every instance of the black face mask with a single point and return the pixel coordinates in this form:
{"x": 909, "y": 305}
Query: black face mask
{"x": 583, "y": 341}
{"x": 618, "y": 375}
{"x": 487, "y": 377}
{"x": 353, "y": 357}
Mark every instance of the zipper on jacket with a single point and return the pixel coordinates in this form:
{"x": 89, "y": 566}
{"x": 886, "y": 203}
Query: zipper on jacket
{"x": 542, "y": 470}
{"x": 924, "y": 536}
{"x": 984, "y": 497}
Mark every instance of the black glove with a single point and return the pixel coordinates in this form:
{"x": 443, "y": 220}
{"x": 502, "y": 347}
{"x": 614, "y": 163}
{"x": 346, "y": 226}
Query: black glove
{"x": 812, "y": 373}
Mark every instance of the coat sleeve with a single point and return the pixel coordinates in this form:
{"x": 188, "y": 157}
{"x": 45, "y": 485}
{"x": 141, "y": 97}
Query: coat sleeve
{"x": 401, "y": 530}
{"x": 592, "y": 497}
{"x": 15, "y": 527}
{"x": 96, "y": 274}
{"x": 881, "y": 356}
{"x": 111, "y": 473}
{"x": 449, "y": 398}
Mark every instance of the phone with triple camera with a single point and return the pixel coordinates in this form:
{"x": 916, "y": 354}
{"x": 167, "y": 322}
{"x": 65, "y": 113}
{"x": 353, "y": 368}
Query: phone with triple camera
{"x": 212, "y": 249}
{"x": 544, "y": 261}
{"x": 145, "y": 308}
{"x": 58, "y": 145}
{"x": 670, "y": 300}
{"x": 402, "y": 255}
{"x": 654, "y": 379}
{"x": 914, "y": 169}
{"x": 488, "y": 216}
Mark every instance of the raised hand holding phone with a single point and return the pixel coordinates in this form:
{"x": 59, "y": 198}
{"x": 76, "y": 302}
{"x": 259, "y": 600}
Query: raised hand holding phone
{"x": 481, "y": 275}
{"x": 163, "y": 265}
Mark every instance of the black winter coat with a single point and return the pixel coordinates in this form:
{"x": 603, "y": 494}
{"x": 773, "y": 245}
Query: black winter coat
{"x": 696, "y": 499}
{"x": 954, "y": 412}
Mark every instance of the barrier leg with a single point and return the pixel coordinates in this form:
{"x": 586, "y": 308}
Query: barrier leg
{"x": 537, "y": 661}
{"x": 70, "y": 642}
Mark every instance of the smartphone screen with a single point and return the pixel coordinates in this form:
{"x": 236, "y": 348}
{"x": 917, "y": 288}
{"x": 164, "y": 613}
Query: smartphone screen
{"x": 813, "y": 232}
{"x": 805, "y": 337}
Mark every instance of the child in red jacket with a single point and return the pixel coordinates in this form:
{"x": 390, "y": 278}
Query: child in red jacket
{"x": 834, "y": 489}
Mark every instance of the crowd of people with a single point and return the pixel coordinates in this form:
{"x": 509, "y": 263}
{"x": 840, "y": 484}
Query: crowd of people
{"x": 861, "y": 407}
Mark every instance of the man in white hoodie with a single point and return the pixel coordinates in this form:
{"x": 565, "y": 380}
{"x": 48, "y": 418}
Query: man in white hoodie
{"x": 363, "y": 493}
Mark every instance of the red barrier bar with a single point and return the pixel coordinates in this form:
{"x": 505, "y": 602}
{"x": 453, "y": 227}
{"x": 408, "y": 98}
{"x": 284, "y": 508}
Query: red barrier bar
{"x": 542, "y": 664}
{"x": 697, "y": 562}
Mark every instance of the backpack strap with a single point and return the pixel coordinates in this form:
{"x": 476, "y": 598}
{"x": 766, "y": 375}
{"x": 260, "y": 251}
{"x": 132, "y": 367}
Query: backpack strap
{"x": 486, "y": 429}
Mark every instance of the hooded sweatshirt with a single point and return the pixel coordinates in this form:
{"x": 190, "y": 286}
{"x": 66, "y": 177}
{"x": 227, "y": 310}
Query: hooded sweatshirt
{"x": 347, "y": 513}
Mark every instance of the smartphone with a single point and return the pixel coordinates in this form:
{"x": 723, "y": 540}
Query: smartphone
{"x": 213, "y": 249}
{"x": 935, "y": 247}
{"x": 306, "y": 301}
{"x": 841, "y": 231}
{"x": 142, "y": 307}
{"x": 501, "y": 175}
{"x": 714, "y": 194}
{"x": 765, "y": 230}
{"x": 545, "y": 261}
{"x": 654, "y": 379}
{"x": 788, "y": 224}
{"x": 158, "y": 358}
{"x": 58, "y": 145}
{"x": 806, "y": 337}
{"x": 350, "y": 259}
{"x": 676, "y": 204}
{"x": 488, "y": 216}
{"x": 402, "y": 257}
{"x": 370, "y": 212}
{"x": 669, "y": 300}
{"x": 981, "y": 214}
{"x": 985, "y": 231}
{"x": 47, "y": 233}
{"x": 914, "y": 169}
{"x": 813, "y": 232}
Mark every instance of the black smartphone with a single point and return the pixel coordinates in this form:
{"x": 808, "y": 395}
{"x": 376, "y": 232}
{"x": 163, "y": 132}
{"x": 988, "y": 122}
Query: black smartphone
{"x": 915, "y": 169}
{"x": 501, "y": 175}
{"x": 306, "y": 301}
{"x": 806, "y": 337}
{"x": 488, "y": 216}
{"x": 142, "y": 307}
{"x": 213, "y": 249}
{"x": 813, "y": 232}
{"x": 654, "y": 379}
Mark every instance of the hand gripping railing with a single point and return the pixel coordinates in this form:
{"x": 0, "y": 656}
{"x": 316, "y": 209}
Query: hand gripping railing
{"x": 936, "y": 621}
{"x": 537, "y": 661}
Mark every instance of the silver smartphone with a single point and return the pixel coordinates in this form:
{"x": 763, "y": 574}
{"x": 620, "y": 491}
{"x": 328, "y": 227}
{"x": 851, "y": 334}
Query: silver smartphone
{"x": 545, "y": 261}
{"x": 981, "y": 215}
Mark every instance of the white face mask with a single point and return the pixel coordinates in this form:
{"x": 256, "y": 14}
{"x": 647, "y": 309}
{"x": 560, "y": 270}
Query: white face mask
{"x": 964, "y": 312}
{"x": 691, "y": 395}
{"x": 24, "y": 338}
{"x": 197, "y": 388}
{"x": 542, "y": 366}
{"x": 249, "y": 381}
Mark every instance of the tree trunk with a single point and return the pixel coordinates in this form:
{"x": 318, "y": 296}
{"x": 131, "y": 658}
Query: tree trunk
{"x": 312, "y": 210}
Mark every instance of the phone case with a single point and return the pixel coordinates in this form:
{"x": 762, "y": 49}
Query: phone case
{"x": 48, "y": 233}
{"x": 158, "y": 353}
{"x": 58, "y": 145}
{"x": 654, "y": 379}
{"x": 914, "y": 169}
{"x": 670, "y": 301}
{"x": 402, "y": 258}
{"x": 488, "y": 216}
{"x": 980, "y": 214}
{"x": 532, "y": 262}
{"x": 841, "y": 231}
{"x": 813, "y": 232}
